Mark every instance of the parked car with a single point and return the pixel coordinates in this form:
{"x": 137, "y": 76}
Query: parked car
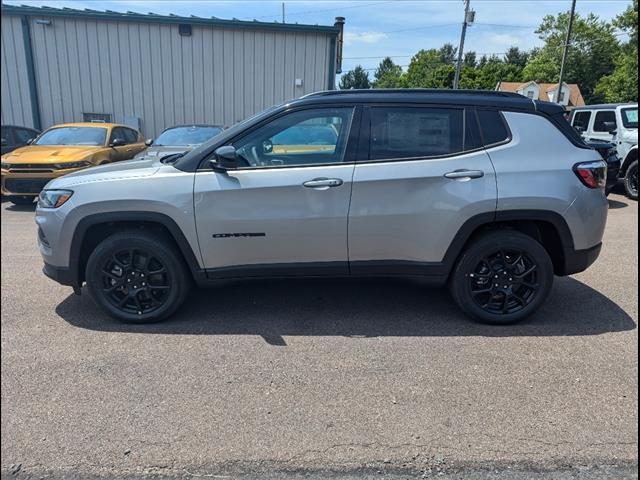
{"x": 618, "y": 124}
{"x": 179, "y": 139}
{"x": 487, "y": 192}
{"x": 610, "y": 155}
{"x": 63, "y": 149}
{"x": 12, "y": 137}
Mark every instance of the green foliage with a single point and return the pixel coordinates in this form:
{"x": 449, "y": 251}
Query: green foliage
{"x": 388, "y": 75}
{"x": 621, "y": 85}
{"x": 592, "y": 53}
{"x": 356, "y": 78}
{"x": 603, "y": 67}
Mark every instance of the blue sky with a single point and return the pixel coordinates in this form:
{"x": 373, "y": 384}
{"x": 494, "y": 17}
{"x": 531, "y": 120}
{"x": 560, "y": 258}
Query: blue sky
{"x": 374, "y": 29}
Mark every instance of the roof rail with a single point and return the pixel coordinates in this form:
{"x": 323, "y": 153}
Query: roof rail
{"x": 375, "y": 91}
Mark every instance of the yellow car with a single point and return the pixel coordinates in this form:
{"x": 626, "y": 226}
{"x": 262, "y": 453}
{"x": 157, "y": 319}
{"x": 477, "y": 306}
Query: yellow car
{"x": 63, "y": 149}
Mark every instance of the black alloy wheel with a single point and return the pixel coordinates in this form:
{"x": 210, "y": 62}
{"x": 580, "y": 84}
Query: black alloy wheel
{"x": 631, "y": 181}
{"x": 504, "y": 282}
{"x": 502, "y": 277}
{"x": 135, "y": 281}
{"x": 137, "y": 276}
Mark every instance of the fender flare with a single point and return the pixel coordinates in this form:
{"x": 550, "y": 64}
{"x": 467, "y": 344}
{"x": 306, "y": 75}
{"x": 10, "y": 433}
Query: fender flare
{"x": 161, "y": 219}
{"x": 632, "y": 154}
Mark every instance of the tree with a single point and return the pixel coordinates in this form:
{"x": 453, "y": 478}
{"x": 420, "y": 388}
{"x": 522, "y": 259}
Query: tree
{"x": 622, "y": 84}
{"x": 356, "y": 78}
{"x": 388, "y": 75}
{"x": 592, "y": 53}
{"x": 427, "y": 69}
{"x": 517, "y": 57}
{"x": 448, "y": 53}
{"x": 470, "y": 59}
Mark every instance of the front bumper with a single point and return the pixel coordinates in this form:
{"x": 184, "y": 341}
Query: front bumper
{"x": 62, "y": 275}
{"x": 29, "y": 183}
{"x": 576, "y": 261}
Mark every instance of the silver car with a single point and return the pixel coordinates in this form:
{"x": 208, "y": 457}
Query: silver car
{"x": 488, "y": 192}
{"x": 179, "y": 139}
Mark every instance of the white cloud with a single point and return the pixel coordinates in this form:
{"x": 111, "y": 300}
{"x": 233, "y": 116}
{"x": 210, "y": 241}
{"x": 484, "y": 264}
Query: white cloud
{"x": 503, "y": 39}
{"x": 351, "y": 38}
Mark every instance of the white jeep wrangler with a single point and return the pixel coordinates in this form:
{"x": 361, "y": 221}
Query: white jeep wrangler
{"x": 618, "y": 124}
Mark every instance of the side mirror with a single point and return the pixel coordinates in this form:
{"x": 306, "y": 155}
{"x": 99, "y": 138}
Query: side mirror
{"x": 148, "y": 142}
{"x": 267, "y": 146}
{"x": 3, "y": 142}
{"x": 117, "y": 142}
{"x": 225, "y": 159}
{"x": 611, "y": 127}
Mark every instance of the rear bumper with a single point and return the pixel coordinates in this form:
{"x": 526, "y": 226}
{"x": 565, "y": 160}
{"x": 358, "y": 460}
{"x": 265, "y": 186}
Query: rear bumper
{"x": 576, "y": 261}
{"x": 62, "y": 275}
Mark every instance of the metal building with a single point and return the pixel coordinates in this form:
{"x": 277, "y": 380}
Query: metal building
{"x": 153, "y": 71}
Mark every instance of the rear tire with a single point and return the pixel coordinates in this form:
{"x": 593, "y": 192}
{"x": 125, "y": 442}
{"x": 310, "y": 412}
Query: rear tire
{"x": 631, "y": 181}
{"x": 21, "y": 199}
{"x": 502, "y": 277}
{"x": 137, "y": 277}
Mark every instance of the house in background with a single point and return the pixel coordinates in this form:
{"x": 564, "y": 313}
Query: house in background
{"x": 570, "y": 96}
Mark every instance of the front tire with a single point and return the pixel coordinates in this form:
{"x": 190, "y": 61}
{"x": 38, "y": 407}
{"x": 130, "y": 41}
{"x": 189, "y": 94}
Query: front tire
{"x": 21, "y": 199}
{"x": 137, "y": 277}
{"x": 631, "y": 181}
{"x": 502, "y": 277}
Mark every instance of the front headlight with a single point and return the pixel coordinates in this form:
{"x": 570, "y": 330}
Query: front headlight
{"x": 64, "y": 166}
{"x": 53, "y": 198}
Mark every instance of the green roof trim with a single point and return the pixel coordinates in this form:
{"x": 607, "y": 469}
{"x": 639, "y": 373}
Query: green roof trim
{"x": 154, "y": 18}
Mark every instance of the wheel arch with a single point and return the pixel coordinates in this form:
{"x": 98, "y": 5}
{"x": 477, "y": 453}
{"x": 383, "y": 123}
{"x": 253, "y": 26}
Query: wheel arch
{"x": 92, "y": 229}
{"x": 547, "y": 227}
{"x": 632, "y": 155}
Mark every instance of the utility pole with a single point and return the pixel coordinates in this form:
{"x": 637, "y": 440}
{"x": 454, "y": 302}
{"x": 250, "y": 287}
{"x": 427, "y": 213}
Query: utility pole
{"x": 469, "y": 17}
{"x": 565, "y": 52}
{"x": 282, "y": 12}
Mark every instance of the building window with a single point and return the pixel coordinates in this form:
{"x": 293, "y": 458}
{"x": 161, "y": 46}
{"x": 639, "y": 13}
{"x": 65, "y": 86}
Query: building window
{"x": 530, "y": 94}
{"x": 96, "y": 117}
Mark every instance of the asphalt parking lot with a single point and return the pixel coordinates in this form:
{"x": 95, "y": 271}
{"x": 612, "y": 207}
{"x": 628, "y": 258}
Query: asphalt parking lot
{"x": 302, "y": 379}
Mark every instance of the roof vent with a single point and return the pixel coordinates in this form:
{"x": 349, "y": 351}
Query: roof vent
{"x": 184, "y": 29}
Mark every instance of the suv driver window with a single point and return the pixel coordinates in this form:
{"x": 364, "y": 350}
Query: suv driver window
{"x": 306, "y": 137}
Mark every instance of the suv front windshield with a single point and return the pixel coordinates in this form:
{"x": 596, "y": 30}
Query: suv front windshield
{"x": 630, "y": 117}
{"x": 228, "y": 133}
{"x": 91, "y": 136}
{"x": 181, "y": 136}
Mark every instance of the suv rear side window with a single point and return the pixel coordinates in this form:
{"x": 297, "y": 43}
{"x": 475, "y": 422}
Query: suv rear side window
{"x": 414, "y": 132}
{"x": 492, "y": 127}
{"x": 581, "y": 119}
{"x": 602, "y": 118}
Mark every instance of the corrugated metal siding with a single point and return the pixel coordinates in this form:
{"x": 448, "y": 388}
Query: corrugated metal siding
{"x": 147, "y": 70}
{"x": 14, "y": 84}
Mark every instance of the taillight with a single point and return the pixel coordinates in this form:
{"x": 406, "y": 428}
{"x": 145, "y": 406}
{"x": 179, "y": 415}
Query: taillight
{"x": 592, "y": 174}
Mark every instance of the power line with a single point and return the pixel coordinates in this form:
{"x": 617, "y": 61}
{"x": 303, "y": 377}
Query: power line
{"x": 310, "y": 12}
{"x": 364, "y": 34}
{"x": 409, "y": 56}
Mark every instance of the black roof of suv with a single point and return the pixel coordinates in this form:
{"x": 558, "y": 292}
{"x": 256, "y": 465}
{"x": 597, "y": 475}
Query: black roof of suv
{"x": 471, "y": 98}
